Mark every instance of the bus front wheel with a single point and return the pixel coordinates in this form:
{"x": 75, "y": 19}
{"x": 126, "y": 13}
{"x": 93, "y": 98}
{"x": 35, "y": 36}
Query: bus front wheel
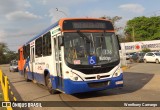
{"x": 49, "y": 85}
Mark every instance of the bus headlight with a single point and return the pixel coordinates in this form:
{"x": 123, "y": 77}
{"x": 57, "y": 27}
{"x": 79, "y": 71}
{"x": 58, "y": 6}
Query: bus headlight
{"x": 75, "y": 77}
{"x": 117, "y": 72}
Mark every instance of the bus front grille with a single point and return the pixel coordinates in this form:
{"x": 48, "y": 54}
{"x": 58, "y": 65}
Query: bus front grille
{"x": 95, "y": 70}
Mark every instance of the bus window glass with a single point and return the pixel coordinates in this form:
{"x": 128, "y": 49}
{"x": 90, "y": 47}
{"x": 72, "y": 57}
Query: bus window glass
{"x": 27, "y": 51}
{"x": 47, "y": 44}
{"x": 38, "y": 46}
{"x": 18, "y": 54}
{"x": 101, "y": 45}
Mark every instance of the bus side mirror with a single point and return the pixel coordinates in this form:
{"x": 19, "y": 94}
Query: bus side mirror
{"x": 61, "y": 40}
{"x": 118, "y": 42}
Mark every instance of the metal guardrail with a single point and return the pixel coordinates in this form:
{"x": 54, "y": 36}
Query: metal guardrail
{"x": 5, "y": 88}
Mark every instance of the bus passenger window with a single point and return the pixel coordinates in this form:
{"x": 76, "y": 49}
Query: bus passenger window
{"x": 18, "y": 54}
{"x": 38, "y": 47}
{"x": 47, "y": 50}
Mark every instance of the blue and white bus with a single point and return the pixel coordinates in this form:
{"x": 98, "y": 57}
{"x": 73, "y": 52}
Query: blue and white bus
{"x": 73, "y": 55}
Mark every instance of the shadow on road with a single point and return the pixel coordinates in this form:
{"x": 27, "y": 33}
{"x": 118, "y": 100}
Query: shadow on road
{"x": 132, "y": 83}
{"x": 18, "y": 81}
{"x": 18, "y": 97}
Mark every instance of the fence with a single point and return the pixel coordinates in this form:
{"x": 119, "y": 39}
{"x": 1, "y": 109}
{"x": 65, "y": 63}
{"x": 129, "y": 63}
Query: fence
{"x": 5, "y": 89}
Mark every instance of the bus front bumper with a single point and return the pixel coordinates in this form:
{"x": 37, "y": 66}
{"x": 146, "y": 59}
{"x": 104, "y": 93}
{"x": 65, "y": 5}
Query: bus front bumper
{"x": 71, "y": 87}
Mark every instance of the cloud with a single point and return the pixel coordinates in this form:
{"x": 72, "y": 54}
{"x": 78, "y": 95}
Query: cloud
{"x": 7, "y": 6}
{"x": 68, "y": 3}
{"x": 135, "y": 8}
{"x": 15, "y": 38}
{"x": 99, "y": 13}
{"x": 2, "y": 35}
{"x": 21, "y": 15}
{"x": 44, "y": 2}
{"x": 27, "y": 4}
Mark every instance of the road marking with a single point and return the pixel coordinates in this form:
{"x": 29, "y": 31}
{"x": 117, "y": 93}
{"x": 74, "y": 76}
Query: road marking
{"x": 14, "y": 98}
{"x": 11, "y": 92}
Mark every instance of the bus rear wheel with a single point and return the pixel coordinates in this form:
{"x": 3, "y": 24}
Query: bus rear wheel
{"x": 49, "y": 85}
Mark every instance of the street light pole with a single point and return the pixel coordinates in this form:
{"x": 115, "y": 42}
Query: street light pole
{"x": 61, "y": 12}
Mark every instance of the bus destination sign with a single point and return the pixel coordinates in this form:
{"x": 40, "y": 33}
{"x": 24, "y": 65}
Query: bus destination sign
{"x": 87, "y": 25}
{"x": 90, "y": 25}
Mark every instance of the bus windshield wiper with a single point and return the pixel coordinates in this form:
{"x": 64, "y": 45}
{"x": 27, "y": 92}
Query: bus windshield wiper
{"x": 84, "y": 36}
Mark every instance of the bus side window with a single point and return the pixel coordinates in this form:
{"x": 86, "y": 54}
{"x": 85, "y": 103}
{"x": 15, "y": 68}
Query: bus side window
{"x": 47, "y": 44}
{"x": 24, "y": 52}
{"x": 55, "y": 48}
{"x": 38, "y": 47}
{"x": 49, "y": 49}
{"x": 18, "y": 54}
{"x": 28, "y": 51}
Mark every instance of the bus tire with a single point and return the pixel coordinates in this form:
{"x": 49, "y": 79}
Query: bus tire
{"x": 49, "y": 85}
{"x": 26, "y": 77}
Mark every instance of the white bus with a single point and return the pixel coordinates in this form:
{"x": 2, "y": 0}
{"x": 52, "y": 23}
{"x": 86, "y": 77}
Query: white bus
{"x": 73, "y": 55}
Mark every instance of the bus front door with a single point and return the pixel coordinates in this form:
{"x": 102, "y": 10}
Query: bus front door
{"x": 32, "y": 63}
{"x": 58, "y": 60}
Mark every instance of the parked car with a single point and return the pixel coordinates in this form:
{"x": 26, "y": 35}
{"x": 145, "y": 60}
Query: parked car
{"x": 13, "y": 66}
{"x": 138, "y": 57}
{"x": 152, "y": 57}
{"x": 129, "y": 55}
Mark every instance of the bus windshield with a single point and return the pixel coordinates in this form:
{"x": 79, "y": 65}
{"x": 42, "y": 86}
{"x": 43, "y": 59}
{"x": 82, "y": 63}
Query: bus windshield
{"x": 80, "y": 47}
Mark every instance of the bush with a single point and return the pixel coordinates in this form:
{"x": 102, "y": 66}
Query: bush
{"x": 146, "y": 50}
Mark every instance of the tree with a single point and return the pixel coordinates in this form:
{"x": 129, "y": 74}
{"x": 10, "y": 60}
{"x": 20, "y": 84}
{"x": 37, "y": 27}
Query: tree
{"x": 143, "y": 28}
{"x": 5, "y": 54}
{"x": 3, "y": 49}
{"x": 112, "y": 19}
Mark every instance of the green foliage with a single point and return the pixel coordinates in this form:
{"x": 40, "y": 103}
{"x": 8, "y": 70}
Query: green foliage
{"x": 144, "y": 28}
{"x": 146, "y": 50}
{"x": 5, "y": 54}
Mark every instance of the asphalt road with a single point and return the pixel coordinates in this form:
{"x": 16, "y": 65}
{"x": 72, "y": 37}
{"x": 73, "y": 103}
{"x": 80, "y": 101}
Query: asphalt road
{"x": 141, "y": 83}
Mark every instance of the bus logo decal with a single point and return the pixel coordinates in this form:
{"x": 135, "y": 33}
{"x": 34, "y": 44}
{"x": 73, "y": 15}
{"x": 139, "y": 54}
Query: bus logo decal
{"x": 92, "y": 60}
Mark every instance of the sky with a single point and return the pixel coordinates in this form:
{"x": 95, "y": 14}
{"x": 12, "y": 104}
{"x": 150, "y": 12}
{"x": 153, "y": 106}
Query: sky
{"x": 21, "y": 20}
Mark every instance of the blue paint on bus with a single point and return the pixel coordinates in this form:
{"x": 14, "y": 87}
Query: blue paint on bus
{"x": 71, "y": 87}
